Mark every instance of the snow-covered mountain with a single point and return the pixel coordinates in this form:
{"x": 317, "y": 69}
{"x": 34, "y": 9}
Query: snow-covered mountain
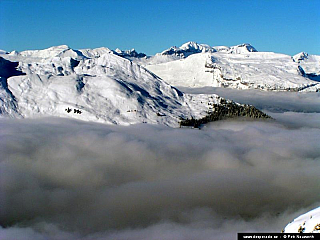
{"x": 306, "y": 223}
{"x": 112, "y": 86}
{"x": 241, "y": 67}
{"x": 92, "y": 85}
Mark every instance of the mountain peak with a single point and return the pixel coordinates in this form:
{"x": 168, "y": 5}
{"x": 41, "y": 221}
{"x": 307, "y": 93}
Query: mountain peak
{"x": 188, "y": 49}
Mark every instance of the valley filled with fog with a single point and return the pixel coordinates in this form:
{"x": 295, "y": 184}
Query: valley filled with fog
{"x": 68, "y": 179}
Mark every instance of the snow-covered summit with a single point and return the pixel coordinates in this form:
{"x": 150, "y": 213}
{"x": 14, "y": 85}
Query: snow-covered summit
{"x": 306, "y": 223}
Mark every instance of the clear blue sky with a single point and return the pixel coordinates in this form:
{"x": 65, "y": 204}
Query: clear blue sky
{"x": 285, "y": 26}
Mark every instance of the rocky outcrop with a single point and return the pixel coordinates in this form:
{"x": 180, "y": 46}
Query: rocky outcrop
{"x": 9, "y": 69}
{"x": 8, "y": 103}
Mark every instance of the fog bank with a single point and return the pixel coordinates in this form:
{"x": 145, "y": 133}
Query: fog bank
{"x": 66, "y": 179}
{"x": 267, "y": 100}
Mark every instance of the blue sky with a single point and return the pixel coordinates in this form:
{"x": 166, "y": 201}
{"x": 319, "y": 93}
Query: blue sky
{"x": 285, "y": 26}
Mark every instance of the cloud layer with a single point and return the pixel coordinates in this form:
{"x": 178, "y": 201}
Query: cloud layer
{"x": 267, "y": 100}
{"x": 65, "y": 179}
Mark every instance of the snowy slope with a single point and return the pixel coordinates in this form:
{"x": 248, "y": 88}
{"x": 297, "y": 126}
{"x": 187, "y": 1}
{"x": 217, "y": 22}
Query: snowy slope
{"x": 189, "y": 72}
{"x": 261, "y": 70}
{"x": 95, "y": 53}
{"x": 94, "y": 85}
{"x": 306, "y": 223}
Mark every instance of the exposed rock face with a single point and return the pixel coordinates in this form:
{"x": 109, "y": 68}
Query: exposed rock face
{"x": 8, "y": 103}
{"x": 9, "y": 69}
{"x": 226, "y": 109}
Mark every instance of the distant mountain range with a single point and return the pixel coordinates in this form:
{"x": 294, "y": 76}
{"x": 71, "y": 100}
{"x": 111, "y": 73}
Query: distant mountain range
{"x": 190, "y": 48}
{"x": 127, "y": 87}
{"x": 240, "y": 67}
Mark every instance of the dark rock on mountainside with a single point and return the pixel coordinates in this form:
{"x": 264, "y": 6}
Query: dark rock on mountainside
{"x": 9, "y": 69}
{"x": 129, "y": 53}
{"x": 180, "y": 52}
{"x": 7, "y": 100}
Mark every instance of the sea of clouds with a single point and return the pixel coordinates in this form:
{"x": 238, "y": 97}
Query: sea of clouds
{"x": 67, "y": 179}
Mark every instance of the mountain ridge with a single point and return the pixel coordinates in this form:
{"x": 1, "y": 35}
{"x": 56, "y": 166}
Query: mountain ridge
{"x": 94, "y": 85}
{"x": 190, "y": 48}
